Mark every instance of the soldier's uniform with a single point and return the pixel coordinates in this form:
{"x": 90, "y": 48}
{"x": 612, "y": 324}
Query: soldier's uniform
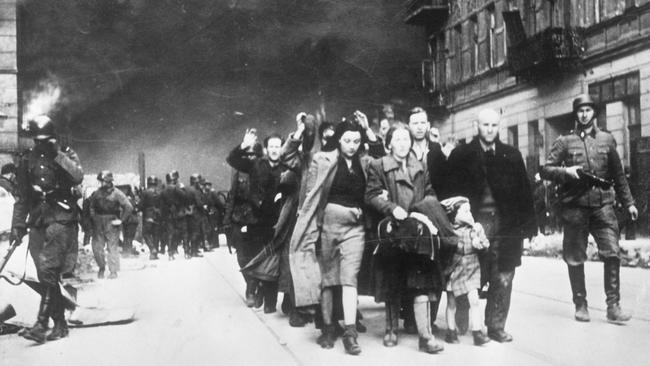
{"x": 46, "y": 204}
{"x": 196, "y": 205}
{"x": 174, "y": 207}
{"x": 130, "y": 224}
{"x": 588, "y": 208}
{"x": 216, "y": 208}
{"x": 108, "y": 204}
{"x": 150, "y": 205}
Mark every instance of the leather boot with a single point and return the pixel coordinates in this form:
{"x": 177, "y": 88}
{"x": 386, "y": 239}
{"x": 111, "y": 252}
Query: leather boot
{"x": 612, "y": 268}
{"x": 287, "y": 304}
{"x": 270, "y": 292}
{"x": 361, "y": 328}
{"x": 350, "y": 340}
{"x": 259, "y": 294}
{"x": 327, "y": 337}
{"x": 296, "y": 319}
{"x": 427, "y": 342}
{"x": 480, "y": 338}
{"x": 452, "y": 336}
{"x": 38, "y": 331}
{"x": 577, "y": 279}
{"x": 60, "y": 329}
{"x": 392, "y": 322}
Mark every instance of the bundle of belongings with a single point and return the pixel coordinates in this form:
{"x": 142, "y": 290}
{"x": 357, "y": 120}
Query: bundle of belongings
{"x": 427, "y": 232}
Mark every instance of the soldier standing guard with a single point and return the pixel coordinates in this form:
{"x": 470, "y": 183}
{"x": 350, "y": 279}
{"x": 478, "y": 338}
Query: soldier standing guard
{"x": 586, "y": 164}
{"x": 45, "y": 203}
{"x": 109, "y": 207}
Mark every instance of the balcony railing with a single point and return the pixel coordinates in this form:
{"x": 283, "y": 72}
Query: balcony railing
{"x": 427, "y": 12}
{"x": 551, "y": 52}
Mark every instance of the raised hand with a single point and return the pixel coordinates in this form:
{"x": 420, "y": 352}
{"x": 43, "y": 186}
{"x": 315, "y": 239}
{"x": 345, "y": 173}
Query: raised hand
{"x": 250, "y": 138}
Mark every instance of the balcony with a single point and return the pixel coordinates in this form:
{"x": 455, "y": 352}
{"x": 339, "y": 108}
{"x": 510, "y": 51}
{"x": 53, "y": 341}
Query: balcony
{"x": 427, "y": 12}
{"x": 554, "y": 51}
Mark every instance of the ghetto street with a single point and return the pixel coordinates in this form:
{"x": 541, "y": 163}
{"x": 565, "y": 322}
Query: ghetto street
{"x": 192, "y": 313}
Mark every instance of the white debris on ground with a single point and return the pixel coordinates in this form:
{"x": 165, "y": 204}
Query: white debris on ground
{"x": 635, "y": 253}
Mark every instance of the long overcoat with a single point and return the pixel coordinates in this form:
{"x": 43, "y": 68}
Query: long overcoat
{"x": 303, "y": 257}
{"x": 510, "y": 188}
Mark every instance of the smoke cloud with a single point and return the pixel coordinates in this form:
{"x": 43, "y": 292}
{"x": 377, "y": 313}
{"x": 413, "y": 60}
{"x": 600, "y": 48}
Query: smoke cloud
{"x": 43, "y": 99}
{"x": 180, "y": 80}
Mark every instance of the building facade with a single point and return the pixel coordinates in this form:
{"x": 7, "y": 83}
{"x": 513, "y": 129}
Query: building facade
{"x": 528, "y": 59}
{"x": 9, "y": 115}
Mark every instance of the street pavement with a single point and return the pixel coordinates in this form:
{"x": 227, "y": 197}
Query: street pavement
{"x": 191, "y": 312}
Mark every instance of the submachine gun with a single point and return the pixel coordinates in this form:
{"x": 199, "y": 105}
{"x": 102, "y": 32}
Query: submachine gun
{"x": 574, "y": 189}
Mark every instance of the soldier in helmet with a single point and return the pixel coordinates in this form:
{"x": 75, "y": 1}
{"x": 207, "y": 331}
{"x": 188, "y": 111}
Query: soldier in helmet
{"x": 45, "y": 203}
{"x": 216, "y": 207}
{"x": 174, "y": 202}
{"x": 167, "y": 229}
{"x": 150, "y": 205}
{"x": 196, "y": 204}
{"x": 109, "y": 207}
{"x": 587, "y": 166}
{"x": 205, "y": 223}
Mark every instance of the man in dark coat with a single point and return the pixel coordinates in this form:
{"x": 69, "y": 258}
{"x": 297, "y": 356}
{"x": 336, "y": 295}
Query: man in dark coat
{"x": 265, "y": 198}
{"x": 493, "y": 176}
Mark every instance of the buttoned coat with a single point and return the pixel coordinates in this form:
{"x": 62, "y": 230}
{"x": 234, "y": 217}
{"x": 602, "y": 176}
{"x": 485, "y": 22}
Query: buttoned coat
{"x": 510, "y": 188}
{"x": 303, "y": 257}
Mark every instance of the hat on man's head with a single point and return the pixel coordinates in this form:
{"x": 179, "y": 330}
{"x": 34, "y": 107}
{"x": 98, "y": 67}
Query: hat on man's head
{"x": 583, "y": 100}
{"x": 41, "y": 127}
{"x": 105, "y": 176}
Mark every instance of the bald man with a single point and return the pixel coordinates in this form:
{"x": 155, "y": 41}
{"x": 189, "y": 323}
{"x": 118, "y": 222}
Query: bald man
{"x": 493, "y": 176}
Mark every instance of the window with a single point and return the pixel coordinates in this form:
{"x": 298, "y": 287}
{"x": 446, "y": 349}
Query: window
{"x": 458, "y": 50}
{"x": 439, "y": 57}
{"x": 534, "y": 139}
{"x": 530, "y": 16}
{"x": 491, "y": 34}
{"x": 554, "y": 19}
{"x": 473, "y": 28}
{"x": 513, "y": 136}
{"x": 633, "y": 106}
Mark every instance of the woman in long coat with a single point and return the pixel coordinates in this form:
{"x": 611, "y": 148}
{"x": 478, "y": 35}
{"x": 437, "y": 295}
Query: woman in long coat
{"x": 329, "y": 236}
{"x": 395, "y": 183}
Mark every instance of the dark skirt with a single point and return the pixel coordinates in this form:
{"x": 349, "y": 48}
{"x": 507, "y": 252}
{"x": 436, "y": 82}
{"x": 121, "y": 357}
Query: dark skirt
{"x": 397, "y": 274}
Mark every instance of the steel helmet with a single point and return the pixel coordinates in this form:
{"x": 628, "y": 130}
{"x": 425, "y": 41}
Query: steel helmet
{"x": 41, "y": 127}
{"x": 582, "y": 100}
{"x": 105, "y": 176}
{"x": 195, "y": 178}
{"x": 152, "y": 180}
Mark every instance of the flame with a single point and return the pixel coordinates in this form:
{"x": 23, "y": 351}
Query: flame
{"x": 41, "y": 101}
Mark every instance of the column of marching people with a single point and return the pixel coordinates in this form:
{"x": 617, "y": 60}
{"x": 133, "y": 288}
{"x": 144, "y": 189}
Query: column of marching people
{"x": 335, "y": 211}
{"x": 339, "y": 210}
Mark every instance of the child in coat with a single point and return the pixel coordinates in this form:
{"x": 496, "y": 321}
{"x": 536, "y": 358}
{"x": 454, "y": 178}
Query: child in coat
{"x": 465, "y": 275}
